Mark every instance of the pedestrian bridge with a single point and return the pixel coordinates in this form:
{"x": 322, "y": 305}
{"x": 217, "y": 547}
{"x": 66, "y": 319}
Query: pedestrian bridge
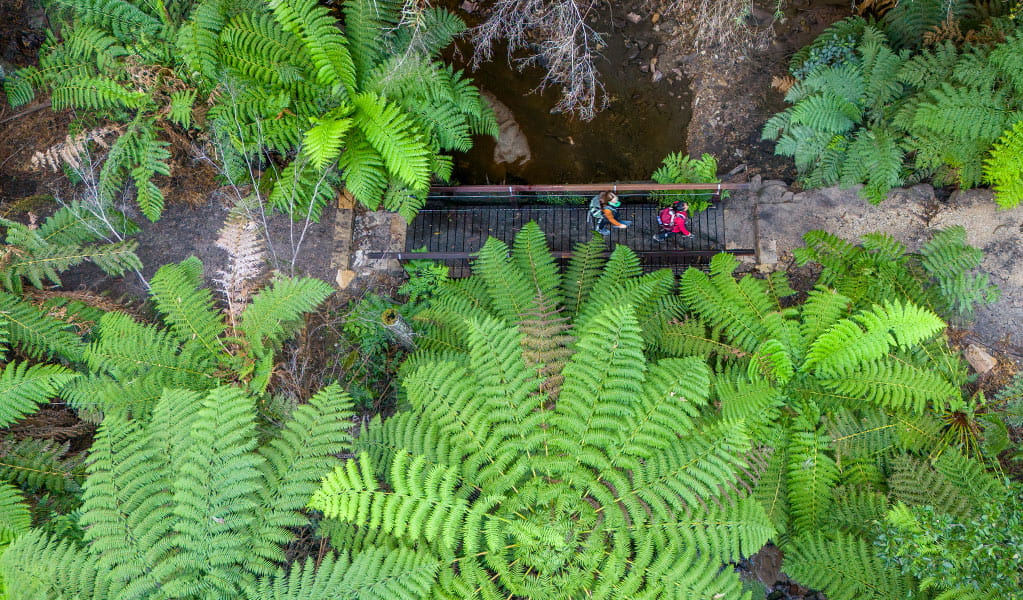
{"x": 458, "y": 220}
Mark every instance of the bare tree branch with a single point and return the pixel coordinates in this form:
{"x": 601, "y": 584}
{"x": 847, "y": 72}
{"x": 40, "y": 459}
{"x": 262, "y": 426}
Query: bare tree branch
{"x": 555, "y": 36}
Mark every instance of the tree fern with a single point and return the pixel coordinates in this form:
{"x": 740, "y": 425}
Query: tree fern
{"x": 503, "y": 477}
{"x": 177, "y": 504}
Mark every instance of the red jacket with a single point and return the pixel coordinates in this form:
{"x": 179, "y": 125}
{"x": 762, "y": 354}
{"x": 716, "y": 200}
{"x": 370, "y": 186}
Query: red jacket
{"x": 678, "y": 222}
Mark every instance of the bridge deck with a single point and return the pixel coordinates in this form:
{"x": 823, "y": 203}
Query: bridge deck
{"x": 457, "y": 231}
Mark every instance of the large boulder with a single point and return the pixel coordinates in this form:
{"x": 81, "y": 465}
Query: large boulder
{"x": 512, "y": 146}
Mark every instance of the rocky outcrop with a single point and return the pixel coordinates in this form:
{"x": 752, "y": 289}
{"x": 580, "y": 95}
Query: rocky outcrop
{"x": 772, "y": 218}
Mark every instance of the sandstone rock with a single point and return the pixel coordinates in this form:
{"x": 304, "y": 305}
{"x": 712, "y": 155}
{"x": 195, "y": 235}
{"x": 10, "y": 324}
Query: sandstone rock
{"x": 512, "y": 146}
{"x": 979, "y": 359}
{"x": 344, "y": 278}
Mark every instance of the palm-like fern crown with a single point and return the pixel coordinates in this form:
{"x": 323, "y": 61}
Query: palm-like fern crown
{"x": 545, "y": 456}
{"x": 369, "y": 99}
{"x": 189, "y": 504}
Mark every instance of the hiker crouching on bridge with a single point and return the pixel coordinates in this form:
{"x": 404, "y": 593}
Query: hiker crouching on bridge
{"x": 604, "y": 212}
{"x": 673, "y": 221}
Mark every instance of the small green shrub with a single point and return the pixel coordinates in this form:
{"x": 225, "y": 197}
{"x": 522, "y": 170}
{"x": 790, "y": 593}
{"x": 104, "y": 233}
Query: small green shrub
{"x": 975, "y": 557}
{"x": 681, "y": 168}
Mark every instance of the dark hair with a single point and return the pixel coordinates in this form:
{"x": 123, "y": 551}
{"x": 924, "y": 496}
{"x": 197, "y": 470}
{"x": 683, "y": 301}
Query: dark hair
{"x": 677, "y": 205}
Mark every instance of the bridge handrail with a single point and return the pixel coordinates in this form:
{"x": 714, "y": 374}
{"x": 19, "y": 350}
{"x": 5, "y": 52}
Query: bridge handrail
{"x": 588, "y": 187}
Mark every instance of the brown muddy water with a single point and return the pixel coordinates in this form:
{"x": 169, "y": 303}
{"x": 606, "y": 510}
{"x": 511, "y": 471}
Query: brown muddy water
{"x": 626, "y": 141}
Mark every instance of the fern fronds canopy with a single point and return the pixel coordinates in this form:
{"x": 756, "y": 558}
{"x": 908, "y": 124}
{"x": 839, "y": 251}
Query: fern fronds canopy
{"x": 571, "y": 466}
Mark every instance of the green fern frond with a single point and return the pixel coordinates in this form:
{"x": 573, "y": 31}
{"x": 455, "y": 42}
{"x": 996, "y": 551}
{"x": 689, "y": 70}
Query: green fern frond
{"x": 322, "y": 141}
{"x": 297, "y": 459}
{"x": 601, "y": 379}
{"x": 186, "y": 307}
{"x": 321, "y": 38}
{"x": 179, "y": 110}
{"x": 1003, "y": 169}
{"x": 37, "y": 565}
{"x": 582, "y": 273}
{"x": 827, "y": 112}
{"x": 212, "y": 500}
{"x": 873, "y": 157}
{"x": 23, "y": 387}
{"x": 893, "y": 384}
{"x": 510, "y": 287}
{"x": 1006, "y": 56}
{"x": 365, "y": 24}
{"x": 364, "y": 171}
{"x": 39, "y": 465}
{"x": 95, "y": 93}
{"x": 373, "y": 574}
{"x": 930, "y": 66}
{"x": 37, "y": 334}
{"x": 396, "y": 137}
{"x": 963, "y": 113}
{"x": 274, "y": 311}
{"x": 812, "y": 475}
{"x": 15, "y": 518}
{"x": 846, "y": 344}
{"x": 737, "y": 308}
{"x": 845, "y": 567}
{"x": 915, "y": 482}
{"x": 125, "y": 20}
{"x": 948, "y": 259}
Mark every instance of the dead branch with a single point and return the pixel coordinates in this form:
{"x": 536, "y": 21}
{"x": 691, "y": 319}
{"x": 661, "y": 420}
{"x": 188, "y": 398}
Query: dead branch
{"x": 555, "y": 35}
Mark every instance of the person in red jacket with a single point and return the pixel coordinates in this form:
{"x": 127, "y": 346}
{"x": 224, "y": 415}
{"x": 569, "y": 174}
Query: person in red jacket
{"x": 673, "y": 220}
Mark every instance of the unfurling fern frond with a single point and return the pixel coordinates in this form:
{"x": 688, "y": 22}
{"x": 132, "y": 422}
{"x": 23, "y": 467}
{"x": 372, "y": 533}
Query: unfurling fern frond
{"x": 1003, "y": 169}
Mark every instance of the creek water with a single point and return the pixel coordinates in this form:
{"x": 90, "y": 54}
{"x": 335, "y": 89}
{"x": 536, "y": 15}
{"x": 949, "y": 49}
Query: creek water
{"x": 645, "y": 120}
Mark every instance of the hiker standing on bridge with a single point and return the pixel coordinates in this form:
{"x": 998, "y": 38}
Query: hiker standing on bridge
{"x": 604, "y": 212}
{"x": 673, "y": 221}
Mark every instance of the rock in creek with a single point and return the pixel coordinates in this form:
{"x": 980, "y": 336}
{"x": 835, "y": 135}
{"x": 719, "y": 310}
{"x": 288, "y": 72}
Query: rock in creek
{"x": 512, "y": 146}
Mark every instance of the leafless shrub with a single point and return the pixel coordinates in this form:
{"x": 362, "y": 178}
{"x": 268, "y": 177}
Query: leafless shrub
{"x": 555, "y": 36}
